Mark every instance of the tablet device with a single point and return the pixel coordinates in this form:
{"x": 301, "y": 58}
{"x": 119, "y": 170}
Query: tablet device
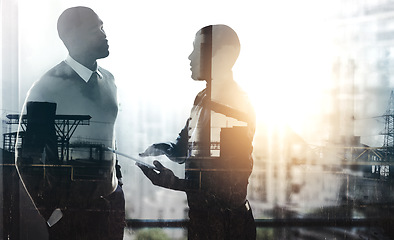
{"x": 132, "y": 158}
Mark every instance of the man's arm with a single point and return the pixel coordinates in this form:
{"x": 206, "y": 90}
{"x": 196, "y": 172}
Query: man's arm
{"x": 177, "y": 151}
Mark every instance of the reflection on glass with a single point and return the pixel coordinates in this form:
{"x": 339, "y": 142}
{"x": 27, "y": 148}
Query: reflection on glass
{"x": 215, "y": 145}
{"x": 335, "y": 168}
{"x": 65, "y": 128}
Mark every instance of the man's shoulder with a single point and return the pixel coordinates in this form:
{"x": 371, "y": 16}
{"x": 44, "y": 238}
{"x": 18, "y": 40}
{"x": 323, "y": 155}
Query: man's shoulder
{"x": 51, "y": 82}
{"x": 60, "y": 72}
{"x": 55, "y": 75}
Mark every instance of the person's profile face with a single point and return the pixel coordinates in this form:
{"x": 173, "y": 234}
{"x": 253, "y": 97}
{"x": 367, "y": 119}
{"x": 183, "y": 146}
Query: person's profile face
{"x": 195, "y": 58}
{"x": 92, "y": 38}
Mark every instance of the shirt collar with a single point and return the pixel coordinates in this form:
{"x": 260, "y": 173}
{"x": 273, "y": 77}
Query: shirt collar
{"x": 84, "y": 72}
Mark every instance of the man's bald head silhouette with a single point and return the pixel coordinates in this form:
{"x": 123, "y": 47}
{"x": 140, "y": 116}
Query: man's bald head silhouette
{"x": 81, "y": 31}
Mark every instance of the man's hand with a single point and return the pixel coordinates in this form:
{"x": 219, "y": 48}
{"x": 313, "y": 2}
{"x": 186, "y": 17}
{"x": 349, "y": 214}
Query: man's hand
{"x": 156, "y": 150}
{"x": 162, "y": 176}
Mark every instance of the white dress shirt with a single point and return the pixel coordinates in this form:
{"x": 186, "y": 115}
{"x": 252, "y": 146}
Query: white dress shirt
{"x": 84, "y": 72}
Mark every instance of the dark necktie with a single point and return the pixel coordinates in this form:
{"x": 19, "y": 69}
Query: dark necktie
{"x": 93, "y": 79}
{"x": 91, "y": 87}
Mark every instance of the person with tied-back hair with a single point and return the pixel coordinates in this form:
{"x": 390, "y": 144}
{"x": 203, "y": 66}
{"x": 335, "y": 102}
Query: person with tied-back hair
{"x": 216, "y": 178}
{"x": 79, "y": 86}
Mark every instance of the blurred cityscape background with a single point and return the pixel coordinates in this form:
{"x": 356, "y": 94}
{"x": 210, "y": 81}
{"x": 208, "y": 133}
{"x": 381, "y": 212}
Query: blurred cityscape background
{"x": 319, "y": 76}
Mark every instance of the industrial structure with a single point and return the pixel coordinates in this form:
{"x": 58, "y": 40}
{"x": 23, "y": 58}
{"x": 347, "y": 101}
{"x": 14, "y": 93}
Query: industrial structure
{"x": 42, "y": 146}
{"x": 65, "y": 126}
{"x": 388, "y": 133}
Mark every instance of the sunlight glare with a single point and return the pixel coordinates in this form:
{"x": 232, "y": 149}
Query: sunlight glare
{"x": 286, "y": 81}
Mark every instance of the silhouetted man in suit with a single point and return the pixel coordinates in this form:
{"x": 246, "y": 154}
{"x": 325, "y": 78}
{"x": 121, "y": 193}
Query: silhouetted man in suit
{"x": 78, "y": 86}
{"x": 215, "y": 145}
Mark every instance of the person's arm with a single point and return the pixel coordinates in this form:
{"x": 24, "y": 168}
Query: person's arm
{"x": 164, "y": 177}
{"x": 177, "y": 151}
